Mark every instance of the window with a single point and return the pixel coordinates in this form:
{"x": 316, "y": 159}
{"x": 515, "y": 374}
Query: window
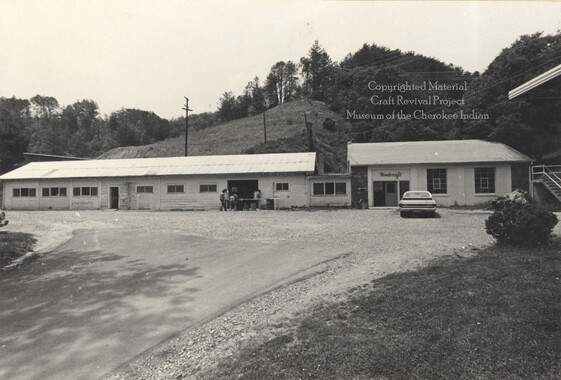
{"x": 282, "y": 186}
{"x": 176, "y": 189}
{"x": 484, "y": 180}
{"x": 145, "y": 189}
{"x": 436, "y": 181}
{"x": 341, "y": 188}
{"x": 54, "y": 191}
{"x": 24, "y": 192}
{"x": 208, "y": 188}
{"x": 330, "y": 188}
{"x": 84, "y": 191}
{"x": 319, "y": 189}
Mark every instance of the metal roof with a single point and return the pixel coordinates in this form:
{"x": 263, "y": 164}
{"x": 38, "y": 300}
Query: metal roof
{"x": 429, "y": 152}
{"x": 535, "y": 82}
{"x": 165, "y": 166}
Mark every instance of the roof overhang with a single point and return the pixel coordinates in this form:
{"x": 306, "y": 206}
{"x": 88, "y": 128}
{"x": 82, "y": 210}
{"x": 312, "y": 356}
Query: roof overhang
{"x": 533, "y": 83}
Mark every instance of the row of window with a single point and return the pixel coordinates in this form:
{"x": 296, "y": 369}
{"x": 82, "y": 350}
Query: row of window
{"x": 329, "y": 188}
{"x": 484, "y": 181}
{"x": 55, "y": 191}
{"x": 320, "y": 188}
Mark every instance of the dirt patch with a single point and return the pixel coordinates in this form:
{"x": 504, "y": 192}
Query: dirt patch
{"x": 13, "y": 247}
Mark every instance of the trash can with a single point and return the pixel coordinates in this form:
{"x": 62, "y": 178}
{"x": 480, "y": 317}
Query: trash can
{"x": 270, "y": 204}
{"x": 253, "y": 206}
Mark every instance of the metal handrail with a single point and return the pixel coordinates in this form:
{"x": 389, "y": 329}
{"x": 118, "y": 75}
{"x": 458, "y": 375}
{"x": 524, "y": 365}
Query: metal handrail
{"x": 555, "y": 175}
{"x": 552, "y": 180}
{"x": 542, "y": 169}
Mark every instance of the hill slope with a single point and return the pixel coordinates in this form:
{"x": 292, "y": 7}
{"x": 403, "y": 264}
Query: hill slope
{"x": 285, "y": 133}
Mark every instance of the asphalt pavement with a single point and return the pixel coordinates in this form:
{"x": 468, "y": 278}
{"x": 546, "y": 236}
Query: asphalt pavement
{"x": 108, "y": 295}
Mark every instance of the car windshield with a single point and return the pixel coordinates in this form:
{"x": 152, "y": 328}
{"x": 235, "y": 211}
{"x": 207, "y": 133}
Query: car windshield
{"x": 416, "y": 195}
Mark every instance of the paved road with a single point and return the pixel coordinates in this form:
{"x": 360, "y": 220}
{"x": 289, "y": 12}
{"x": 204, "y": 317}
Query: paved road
{"x": 107, "y": 295}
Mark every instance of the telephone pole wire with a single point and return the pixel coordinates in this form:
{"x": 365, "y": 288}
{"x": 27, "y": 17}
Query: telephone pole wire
{"x": 186, "y": 108}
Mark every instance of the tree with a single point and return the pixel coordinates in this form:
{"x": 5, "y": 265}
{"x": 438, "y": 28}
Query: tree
{"x": 258, "y": 99}
{"x": 530, "y": 122}
{"x": 46, "y": 137}
{"x": 227, "y": 106}
{"x": 282, "y": 82}
{"x": 83, "y": 129}
{"x": 137, "y": 127}
{"x": 14, "y": 124}
{"x": 317, "y": 69}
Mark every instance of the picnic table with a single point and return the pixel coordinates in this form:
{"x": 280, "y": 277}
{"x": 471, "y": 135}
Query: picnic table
{"x": 246, "y": 203}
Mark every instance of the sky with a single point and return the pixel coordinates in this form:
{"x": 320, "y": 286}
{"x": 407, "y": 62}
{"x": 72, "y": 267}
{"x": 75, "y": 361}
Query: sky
{"x": 149, "y": 55}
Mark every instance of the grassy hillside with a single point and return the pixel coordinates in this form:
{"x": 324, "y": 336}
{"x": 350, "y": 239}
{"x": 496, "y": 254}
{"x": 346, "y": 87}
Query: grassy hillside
{"x": 285, "y": 133}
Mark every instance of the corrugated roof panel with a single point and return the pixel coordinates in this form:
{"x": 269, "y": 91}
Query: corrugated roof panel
{"x": 426, "y": 152}
{"x": 232, "y": 164}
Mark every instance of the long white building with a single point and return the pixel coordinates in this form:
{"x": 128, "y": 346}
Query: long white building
{"x": 173, "y": 183}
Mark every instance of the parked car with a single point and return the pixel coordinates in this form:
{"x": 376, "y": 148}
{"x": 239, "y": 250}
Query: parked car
{"x": 3, "y": 220}
{"x": 418, "y": 202}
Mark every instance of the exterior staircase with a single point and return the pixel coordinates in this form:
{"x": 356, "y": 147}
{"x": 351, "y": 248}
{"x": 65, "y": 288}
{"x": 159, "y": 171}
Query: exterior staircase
{"x": 550, "y": 176}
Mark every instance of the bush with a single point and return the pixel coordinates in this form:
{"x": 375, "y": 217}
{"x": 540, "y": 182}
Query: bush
{"x": 329, "y": 125}
{"x": 517, "y": 197}
{"x": 521, "y": 224}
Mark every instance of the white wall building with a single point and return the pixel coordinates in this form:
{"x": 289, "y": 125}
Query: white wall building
{"x": 456, "y": 172}
{"x": 171, "y": 183}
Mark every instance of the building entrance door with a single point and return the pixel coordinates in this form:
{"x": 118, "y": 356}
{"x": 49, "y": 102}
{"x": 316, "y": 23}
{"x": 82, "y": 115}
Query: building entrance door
{"x": 113, "y": 197}
{"x": 385, "y": 193}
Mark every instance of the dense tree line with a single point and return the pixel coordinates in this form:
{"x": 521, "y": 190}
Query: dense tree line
{"x": 531, "y": 123}
{"x": 42, "y": 125}
{"x": 286, "y": 81}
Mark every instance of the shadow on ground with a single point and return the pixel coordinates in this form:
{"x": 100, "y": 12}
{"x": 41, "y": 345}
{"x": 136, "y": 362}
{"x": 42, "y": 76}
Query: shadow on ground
{"x": 75, "y": 309}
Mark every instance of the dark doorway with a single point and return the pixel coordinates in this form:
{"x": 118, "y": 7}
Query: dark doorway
{"x": 114, "y": 197}
{"x": 385, "y": 193}
{"x": 244, "y": 188}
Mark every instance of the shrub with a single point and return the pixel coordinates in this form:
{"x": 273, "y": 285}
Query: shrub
{"x": 517, "y": 197}
{"x": 329, "y": 125}
{"x": 521, "y": 224}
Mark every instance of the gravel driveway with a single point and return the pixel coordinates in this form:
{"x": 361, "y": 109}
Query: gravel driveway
{"x": 379, "y": 242}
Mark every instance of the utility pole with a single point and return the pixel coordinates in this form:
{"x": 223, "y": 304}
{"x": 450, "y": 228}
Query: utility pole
{"x": 309, "y": 132}
{"x": 186, "y": 108}
{"x": 264, "y": 128}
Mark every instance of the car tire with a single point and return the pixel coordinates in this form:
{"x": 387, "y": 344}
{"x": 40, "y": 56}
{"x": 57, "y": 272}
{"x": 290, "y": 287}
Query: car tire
{"x": 403, "y": 214}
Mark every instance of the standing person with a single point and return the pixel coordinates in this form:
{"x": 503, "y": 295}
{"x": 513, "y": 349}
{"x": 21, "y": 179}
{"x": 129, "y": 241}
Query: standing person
{"x": 257, "y": 196}
{"x": 224, "y": 200}
{"x": 233, "y": 201}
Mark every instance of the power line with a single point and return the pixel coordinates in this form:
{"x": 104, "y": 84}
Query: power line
{"x": 186, "y": 108}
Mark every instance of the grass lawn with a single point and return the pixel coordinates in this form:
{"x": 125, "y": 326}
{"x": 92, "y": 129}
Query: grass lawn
{"x": 493, "y": 316}
{"x": 14, "y": 245}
